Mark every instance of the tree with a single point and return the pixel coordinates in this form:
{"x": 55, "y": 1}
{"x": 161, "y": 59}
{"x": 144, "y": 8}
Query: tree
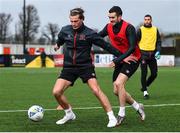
{"x": 50, "y": 32}
{"x": 32, "y": 24}
{"x": 5, "y": 20}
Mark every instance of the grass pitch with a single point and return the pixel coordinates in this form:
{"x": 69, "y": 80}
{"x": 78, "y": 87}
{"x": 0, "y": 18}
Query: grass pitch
{"x": 21, "y": 88}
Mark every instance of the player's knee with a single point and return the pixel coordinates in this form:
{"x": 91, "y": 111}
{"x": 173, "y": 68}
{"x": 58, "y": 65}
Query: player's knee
{"x": 115, "y": 92}
{"x": 118, "y": 85}
{"x": 57, "y": 92}
{"x": 96, "y": 91}
{"x": 54, "y": 92}
{"x": 154, "y": 75}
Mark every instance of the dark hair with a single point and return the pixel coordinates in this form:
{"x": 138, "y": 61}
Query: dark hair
{"x": 77, "y": 11}
{"x": 117, "y": 10}
{"x": 147, "y": 15}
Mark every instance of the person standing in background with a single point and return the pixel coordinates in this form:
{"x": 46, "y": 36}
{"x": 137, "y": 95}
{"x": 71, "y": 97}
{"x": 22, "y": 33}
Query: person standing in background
{"x": 43, "y": 59}
{"x": 150, "y": 45}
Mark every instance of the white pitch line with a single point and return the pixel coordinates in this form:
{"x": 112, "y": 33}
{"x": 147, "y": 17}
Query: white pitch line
{"x": 87, "y": 108}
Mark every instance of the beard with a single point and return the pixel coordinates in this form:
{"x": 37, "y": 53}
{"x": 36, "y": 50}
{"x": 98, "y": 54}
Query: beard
{"x": 148, "y": 25}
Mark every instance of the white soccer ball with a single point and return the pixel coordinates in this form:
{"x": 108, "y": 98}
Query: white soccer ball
{"x": 35, "y": 113}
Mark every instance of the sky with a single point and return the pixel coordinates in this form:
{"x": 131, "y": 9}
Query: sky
{"x": 165, "y": 13}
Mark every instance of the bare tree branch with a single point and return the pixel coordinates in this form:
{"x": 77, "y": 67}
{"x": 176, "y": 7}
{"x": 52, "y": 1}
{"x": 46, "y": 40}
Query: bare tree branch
{"x": 50, "y": 32}
{"x": 32, "y": 24}
{"x": 5, "y": 20}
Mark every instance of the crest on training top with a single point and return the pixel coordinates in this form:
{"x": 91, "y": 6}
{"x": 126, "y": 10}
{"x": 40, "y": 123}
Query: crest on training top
{"x": 82, "y": 37}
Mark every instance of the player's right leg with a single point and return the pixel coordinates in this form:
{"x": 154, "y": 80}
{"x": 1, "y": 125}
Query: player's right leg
{"x": 58, "y": 91}
{"x": 59, "y": 107}
{"x": 143, "y": 78}
{"x": 119, "y": 88}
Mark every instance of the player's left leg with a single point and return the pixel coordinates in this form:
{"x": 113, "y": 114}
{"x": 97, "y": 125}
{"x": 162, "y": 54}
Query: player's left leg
{"x": 139, "y": 107}
{"x": 103, "y": 100}
{"x": 154, "y": 70}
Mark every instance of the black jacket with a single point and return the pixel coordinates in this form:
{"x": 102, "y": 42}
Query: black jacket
{"x": 78, "y": 44}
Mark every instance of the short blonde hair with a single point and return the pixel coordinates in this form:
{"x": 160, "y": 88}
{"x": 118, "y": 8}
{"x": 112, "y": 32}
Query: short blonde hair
{"x": 77, "y": 11}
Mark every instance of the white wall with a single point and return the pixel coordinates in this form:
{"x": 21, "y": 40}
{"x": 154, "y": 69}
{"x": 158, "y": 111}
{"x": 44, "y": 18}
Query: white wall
{"x": 103, "y": 60}
{"x": 18, "y": 48}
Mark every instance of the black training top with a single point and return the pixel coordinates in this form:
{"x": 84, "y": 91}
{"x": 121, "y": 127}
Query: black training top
{"x": 78, "y": 44}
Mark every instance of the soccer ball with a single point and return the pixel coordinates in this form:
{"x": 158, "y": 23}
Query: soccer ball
{"x": 35, "y": 113}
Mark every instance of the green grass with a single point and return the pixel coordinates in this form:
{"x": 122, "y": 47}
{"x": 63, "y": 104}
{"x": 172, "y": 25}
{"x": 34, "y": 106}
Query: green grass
{"x": 20, "y": 88}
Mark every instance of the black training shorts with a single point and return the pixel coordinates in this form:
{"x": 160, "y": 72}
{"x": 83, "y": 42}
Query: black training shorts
{"x": 71, "y": 74}
{"x": 125, "y": 68}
